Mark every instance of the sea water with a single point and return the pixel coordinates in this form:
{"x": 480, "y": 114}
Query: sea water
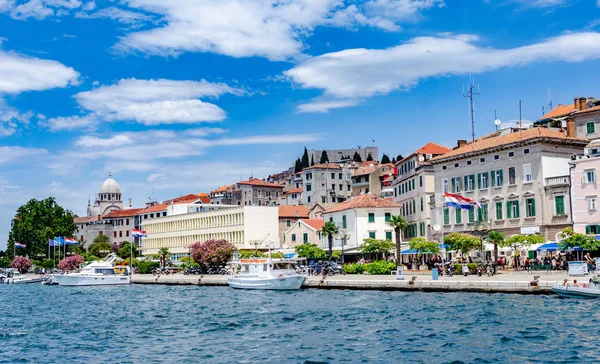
{"x": 141, "y": 324}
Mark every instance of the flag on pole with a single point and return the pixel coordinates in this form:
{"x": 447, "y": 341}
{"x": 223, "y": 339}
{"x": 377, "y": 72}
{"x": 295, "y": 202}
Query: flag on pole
{"x": 456, "y": 200}
{"x": 59, "y": 241}
{"x": 51, "y": 242}
{"x": 19, "y": 245}
{"x": 71, "y": 241}
{"x": 138, "y": 233}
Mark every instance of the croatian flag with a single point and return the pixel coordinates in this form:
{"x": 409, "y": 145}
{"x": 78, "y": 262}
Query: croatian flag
{"x": 138, "y": 233}
{"x": 19, "y": 245}
{"x": 71, "y": 241}
{"x": 456, "y": 200}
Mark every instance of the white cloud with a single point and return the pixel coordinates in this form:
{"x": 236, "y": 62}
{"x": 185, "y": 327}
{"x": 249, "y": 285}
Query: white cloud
{"x": 9, "y": 153}
{"x": 39, "y": 9}
{"x": 10, "y": 118}
{"x": 153, "y": 102}
{"x": 324, "y": 106}
{"x": 120, "y": 15}
{"x": 87, "y": 122}
{"x": 274, "y": 29}
{"x": 107, "y": 143}
{"x": 360, "y": 73}
{"x": 19, "y": 73}
{"x": 202, "y": 132}
{"x": 541, "y": 3}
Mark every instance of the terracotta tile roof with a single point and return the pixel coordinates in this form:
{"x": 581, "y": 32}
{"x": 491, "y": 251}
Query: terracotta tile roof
{"x": 364, "y": 201}
{"x": 316, "y": 224}
{"x": 222, "y": 189}
{"x": 388, "y": 179}
{"x": 122, "y": 213}
{"x": 85, "y": 219}
{"x": 432, "y": 148}
{"x": 591, "y": 109}
{"x": 560, "y": 110}
{"x": 204, "y": 197}
{"x": 360, "y": 171}
{"x": 295, "y": 190}
{"x": 159, "y": 207}
{"x": 259, "y": 183}
{"x": 183, "y": 199}
{"x": 514, "y": 137}
{"x": 324, "y": 166}
{"x": 293, "y": 211}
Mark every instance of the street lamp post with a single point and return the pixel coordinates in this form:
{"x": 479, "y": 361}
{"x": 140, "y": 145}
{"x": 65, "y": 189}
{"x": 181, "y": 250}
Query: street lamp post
{"x": 481, "y": 228}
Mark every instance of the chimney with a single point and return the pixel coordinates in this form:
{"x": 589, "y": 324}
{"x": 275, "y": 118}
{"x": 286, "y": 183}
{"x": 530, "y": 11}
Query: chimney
{"x": 461, "y": 143}
{"x": 576, "y": 103}
{"x": 571, "y": 130}
{"x": 582, "y": 103}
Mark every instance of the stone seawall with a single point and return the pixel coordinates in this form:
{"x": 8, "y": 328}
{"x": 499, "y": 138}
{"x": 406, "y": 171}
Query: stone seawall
{"x": 469, "y": 284}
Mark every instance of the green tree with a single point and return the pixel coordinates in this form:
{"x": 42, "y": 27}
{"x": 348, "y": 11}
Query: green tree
{"x": 496, "y": 238}
{"x": 329, "y": 230}
{"x": 519, "y": 241}
{"x": 385, "y": 159}
{"x": 357, "y": 157}
{"x": 36, "y": 223}
{"x": 312, "y": 160}
{"x": 126, "y": 249}
{"x": 399, "y": 225}
{"x": 101, "y": 246}
{"x": 374, "y": 246}
{"x": 5, "y": 262}
{"x": 461, "y": 242}
{"x": 399, "y": 157}
{"x": 394, "y": 160}
{"x": 570, "y": 239}
{"x": 369, "y": 158}
{"x": 305, "y": 159}
{"x": 298, "y": 166}
{"x": 423, "y": 246}
{"x": 324, "y": 157}
{"x": 165, "y": 252}
{"x": 309, "y": 250}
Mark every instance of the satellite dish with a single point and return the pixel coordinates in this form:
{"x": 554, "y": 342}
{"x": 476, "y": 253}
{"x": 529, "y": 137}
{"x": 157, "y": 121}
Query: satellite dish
{"x": 437, "y": 227}
{"x": 421, "y": 158}
{"x": 497, "y": 122}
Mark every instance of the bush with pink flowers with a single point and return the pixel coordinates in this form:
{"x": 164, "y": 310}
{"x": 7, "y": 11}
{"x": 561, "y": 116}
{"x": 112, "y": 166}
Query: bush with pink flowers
{"x": 212, "y": 253}
{"x": 22, "y": 264}
{"x": 71, "y": 263}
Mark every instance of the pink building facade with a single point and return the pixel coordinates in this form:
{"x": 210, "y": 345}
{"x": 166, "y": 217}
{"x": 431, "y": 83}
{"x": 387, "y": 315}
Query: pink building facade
{"x": 585, "y": 192}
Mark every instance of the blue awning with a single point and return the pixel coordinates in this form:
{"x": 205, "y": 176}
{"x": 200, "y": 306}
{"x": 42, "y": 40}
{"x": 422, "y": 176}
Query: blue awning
{"x": 548, "y": 247}
{"x": 290, "y": 255}
{"x": 409, "y": 251}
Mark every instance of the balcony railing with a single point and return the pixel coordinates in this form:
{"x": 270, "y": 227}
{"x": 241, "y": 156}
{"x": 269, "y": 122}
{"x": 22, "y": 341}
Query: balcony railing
{"x": 558, "y": 181}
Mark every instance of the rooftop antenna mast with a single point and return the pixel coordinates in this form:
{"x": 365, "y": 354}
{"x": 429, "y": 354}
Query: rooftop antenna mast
{"x": 469, "y": 94}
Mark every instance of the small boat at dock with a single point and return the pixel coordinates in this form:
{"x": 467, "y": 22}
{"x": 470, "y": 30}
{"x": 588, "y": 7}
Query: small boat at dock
{"x": 97, "y": 273}
{"x": 265, "y": 274}
{"x": 15, "y": 277}
{"x": 590, "y": 291}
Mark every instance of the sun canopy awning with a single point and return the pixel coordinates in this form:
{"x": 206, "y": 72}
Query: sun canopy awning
{"x": 548, "y": 247}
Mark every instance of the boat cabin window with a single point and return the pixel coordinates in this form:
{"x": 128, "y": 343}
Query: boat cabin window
{"x": 245, "y": 268}
{"x": 264, "y": 267}
{"x": 281, "y": 266}
{"x": 106, "y": 271}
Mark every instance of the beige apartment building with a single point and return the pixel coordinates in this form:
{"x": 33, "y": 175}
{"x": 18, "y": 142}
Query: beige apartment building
{"x": 519, "y": 176}
{"x": 369, "y": 178}
{"x": 414, "y": 186}
{"x": 326, "y": 183}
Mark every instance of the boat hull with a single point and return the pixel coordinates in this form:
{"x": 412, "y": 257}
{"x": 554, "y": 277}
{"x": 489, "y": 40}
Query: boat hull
{"x": 576, "y": 292}
{"x": 23, "y": 281}
{"x": 278, "y": 284}
{"x": 78, "y": 280}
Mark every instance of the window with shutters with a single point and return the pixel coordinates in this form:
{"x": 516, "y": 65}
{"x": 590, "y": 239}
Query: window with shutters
{"x": 420, "y": 181}
{"x": 371, "y": 217}
{"x": 472, "y": 215}
{"x": 527, "y": 175}
{"x": 589, "y": 176}
{"x": 482, "y": 213}
{"x": 496, "y": 177}
{"x": 530, "y": 207}
{"x": 388, "y": 216}
{"x": 470, "y": 182}
{"x": 482, "y": 180}
{"x": 592, "y": 229}
{"x": 293, "y": 237}
{"x": 458, "y": 213}
{"x": 445, "y": 185}
{"x": 344, "y": 222}
{"x": 559, "y": 204}
{"x": 512, "y": 176}
{"x": 372, "y": 234}
{"x": 590, "y": 127}
{"x": 305, "y": 238}
{"x": 388, "y": 235}
{"x": 498, "y": 210}
{"x": 591, "y": 202}
{"x": 422, "y": 204}
{"x": 288, "y": 223}
{"x": 446, "y": 216}
{"x": 455, "y": 184}
{"x": 512, "y": 209}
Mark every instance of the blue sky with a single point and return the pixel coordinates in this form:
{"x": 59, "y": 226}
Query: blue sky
{"x": 184, "y": 96}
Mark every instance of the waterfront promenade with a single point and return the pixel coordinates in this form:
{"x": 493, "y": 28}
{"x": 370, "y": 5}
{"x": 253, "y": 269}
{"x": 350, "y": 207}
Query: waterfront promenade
{"x": 505, "y": 282}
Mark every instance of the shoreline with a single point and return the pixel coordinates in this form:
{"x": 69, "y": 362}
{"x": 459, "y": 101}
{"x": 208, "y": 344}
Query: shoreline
{"x": 515, "y": 282}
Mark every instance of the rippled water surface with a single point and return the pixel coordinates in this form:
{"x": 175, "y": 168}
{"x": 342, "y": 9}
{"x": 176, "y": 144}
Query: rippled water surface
{"x": 44, "y": 324}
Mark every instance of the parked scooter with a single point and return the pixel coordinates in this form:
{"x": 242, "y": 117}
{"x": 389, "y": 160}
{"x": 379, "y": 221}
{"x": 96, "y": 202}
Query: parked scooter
{"x": 449, "y": 268}
{"x": 479, "y": 270}
{"x": 489, "y": 270}
{"x": 465, "y": 270}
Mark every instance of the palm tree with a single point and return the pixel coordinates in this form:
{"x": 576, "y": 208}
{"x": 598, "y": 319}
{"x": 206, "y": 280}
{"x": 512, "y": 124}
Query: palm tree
{"x": 399, "y": 224}
{"x": 329, "y": 230}
{"x": 496, "y": 238}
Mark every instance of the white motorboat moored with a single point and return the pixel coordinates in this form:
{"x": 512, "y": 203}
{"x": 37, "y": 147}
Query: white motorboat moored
{"x": 266, "y": 274}
{"x": 591, "y": 291}
{"x": 97, "y": 273}
{"x": 15, "y": 277}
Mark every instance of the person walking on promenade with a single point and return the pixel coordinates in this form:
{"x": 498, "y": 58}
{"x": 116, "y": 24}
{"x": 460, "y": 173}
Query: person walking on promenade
{"x": 554, "y": 263}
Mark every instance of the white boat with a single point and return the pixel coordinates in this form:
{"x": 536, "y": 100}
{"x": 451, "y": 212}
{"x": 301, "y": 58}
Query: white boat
{"x": 591, "y": 291}
{"x": 15, "y": 277}
{"x": 266, "y": 274}
{"x": 97, "y": 273}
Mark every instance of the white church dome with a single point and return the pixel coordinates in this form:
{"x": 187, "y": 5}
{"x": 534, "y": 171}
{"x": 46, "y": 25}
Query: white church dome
{"x": 110, "y": 186}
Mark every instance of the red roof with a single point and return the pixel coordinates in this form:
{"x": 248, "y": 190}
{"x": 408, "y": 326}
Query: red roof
{"x": 183, "y": 199}
{"x": 204, "y": 197}
{"x": 432, "y": 148}
{"x": 259, "y": 183}
{"x": 293, "y": 211}
{"x": 560, "y": 110}
{"x": 316, "y": 224}
{"x": 591, "y": 109}
{"x": 222, "y": 189}
{"x": 85, "y": 219}
{"x": 324, "y": 166}
{"x": 123, "y": 213}
{"x": 295, "y": 190}
{"x": 487, "y": 142}
{"x": 160, "y": 207}
{"x": 364, "y": 201}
